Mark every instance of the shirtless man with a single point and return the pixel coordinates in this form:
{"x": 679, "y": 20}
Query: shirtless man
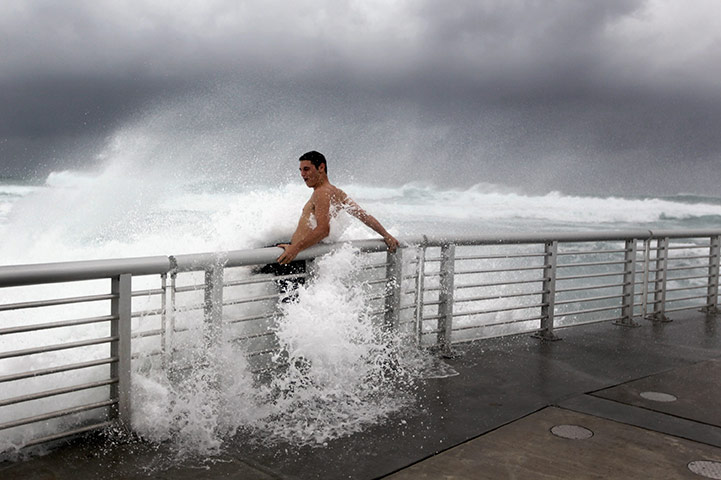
{"x": 324, "y": 202}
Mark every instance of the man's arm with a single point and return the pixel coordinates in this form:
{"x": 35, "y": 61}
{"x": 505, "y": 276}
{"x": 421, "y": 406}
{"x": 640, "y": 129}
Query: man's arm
{"x": 303, "y": 239}
{"x": 355, "y": 210}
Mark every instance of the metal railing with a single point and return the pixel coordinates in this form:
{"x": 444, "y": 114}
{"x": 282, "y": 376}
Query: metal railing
{"x": 76, "y": 326}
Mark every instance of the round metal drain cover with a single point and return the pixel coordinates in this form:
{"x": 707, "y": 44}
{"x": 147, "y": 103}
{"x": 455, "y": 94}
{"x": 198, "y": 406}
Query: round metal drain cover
{"x": 706, "y": 468}
{"x": 658, "y": 396}
{"x": 572, "y": 432}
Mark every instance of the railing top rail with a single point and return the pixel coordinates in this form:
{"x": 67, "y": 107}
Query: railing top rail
{"x": 259, "y": 256}
{"x": 17, "y": 275}
{"x": 542, "y": 237}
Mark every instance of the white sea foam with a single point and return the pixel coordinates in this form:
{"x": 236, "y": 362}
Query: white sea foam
{"x": 489, "y": 203}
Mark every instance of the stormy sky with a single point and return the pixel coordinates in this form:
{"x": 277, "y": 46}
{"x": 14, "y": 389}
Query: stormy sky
{"x": 601, "y": 97}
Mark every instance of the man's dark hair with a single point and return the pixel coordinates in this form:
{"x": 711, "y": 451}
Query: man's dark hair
{"x": 316, "y": 158}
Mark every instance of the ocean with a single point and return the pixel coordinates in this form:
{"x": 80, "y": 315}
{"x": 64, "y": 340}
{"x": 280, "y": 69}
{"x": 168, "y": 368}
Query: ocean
{"x": 336, "y": 378}
{"x": 77, "y": 216}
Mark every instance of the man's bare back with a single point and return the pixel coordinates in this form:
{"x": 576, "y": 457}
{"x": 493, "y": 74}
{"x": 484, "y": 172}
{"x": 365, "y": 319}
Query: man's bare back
{"x": 326, "y": 201}
{"x": 308, "y": 218}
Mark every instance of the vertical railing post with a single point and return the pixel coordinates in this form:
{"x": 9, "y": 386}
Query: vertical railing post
{"x": 168, "y": 320}
{"x": 213, "y": 305}
{"x": 394, "y": 280}
{"x": 120, "y": 308}
{"x": 629, "y": 283}
{"x": 713, "y": 276}
{"x": 644, "y": 286}
{"x": 548, "y": 298}
{"x": 445, "y": 298}
{"x": 420, "y": 286}
{"x": 659, "y": 296}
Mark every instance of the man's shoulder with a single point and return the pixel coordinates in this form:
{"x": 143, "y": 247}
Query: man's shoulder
{"x": 337, "y": 193}
{"x": 328, "y": 190}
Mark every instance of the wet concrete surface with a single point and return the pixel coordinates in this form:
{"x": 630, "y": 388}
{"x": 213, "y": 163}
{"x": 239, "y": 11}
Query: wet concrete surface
{"x": 696, "y": 389}
{"x": 598, "y": 448}
{"x": 500, "y": 381}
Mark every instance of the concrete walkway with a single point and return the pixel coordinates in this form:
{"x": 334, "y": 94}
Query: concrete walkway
{"x": 494, "y": 419}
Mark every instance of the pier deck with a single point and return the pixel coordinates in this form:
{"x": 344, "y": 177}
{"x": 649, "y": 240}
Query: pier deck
{"x": 494, "y": 419}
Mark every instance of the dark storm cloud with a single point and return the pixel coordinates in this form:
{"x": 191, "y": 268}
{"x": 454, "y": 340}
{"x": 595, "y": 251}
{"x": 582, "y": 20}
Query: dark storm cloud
{"x": 547, "y": 94}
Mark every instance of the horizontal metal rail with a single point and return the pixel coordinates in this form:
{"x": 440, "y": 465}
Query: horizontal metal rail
{"x": 56, "y": 414}
{"x": 190, "y": 288}
{"x": 694, "y": 267}
{"x": 147, "y": 333}
{"x": 57, "y": 391}
{"x": 650, "y": 302}
{"x": 189, "y": 308}
{"x": 497, "y": 297}
{"x": 650, "y": 292}
{"x": 378, "y": 297}
{"x": 431, "y": 303}
{"x": 42, "y": 273}
{"x": 262, "y": 352}
{"x": 589, "y": 299}
{"x": 485, "y": 312}
{"x": 589, "y": 252}
{"x": 263, "y": 279}
{"x": 693, "y": 277}
{"x": 56, "y": 347}
{"x": 69, "y": 433}
{"x": 241, "y": 301}
{"x": 683, "y": 299}
{"x": 147, "y": 293}
{"x": 374, "y": 266}
{"x": 590, "y": 322}
{"x": 591, "y": 264}
{"x": 61, "y": 324}
{"x": 594, "y": 287}
{"x": 498, "y": 257}
{"x": 56, "y": 302}
{"x": 54, "y": 370}
{"x": 533, "y": 331}
{"x": 681, "y": 309}
{"x": 705, "y": 257}
{"x": 680, "y": 289}
{"x": 590, "y": 310}
{"x": 591, "y": 275}
{"x": 250, "y": 318}
{"x": 497, "y": 324}
{"x": 500, "y": 270}
{"x": 254, "y": 336}
{"x": 495, "y": 284}
{"x": 147, "y": 313}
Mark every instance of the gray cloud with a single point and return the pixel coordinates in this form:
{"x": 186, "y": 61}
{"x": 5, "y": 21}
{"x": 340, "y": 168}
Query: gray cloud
{"x": 544, "y": 95}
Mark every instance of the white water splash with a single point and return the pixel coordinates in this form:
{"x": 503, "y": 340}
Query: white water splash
{"x": 337, "y": 371}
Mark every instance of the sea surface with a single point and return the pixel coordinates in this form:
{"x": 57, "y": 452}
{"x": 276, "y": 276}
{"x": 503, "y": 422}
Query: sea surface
{"x": 74, "y": 215}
